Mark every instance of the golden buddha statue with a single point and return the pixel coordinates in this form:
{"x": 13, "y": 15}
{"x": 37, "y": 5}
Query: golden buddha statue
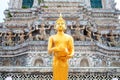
{"x": 61, "y": 45}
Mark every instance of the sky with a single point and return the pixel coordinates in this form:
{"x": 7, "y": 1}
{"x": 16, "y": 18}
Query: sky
{"x": 4, "y": 5}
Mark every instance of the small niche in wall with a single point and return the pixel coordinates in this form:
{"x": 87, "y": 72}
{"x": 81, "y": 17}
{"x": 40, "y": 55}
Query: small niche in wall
{"x": 96, "y": 3}
{"x": 27, "y": 4}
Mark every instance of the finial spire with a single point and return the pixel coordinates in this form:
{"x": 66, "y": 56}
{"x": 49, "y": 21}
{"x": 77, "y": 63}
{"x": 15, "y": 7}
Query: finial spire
{"x": 60, "y": 18}
{"x": 60, "y": 15}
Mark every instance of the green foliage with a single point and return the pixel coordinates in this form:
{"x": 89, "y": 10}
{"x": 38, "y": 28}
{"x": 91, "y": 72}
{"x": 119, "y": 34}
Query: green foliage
{"x": 25, "y": 7}
{"x": 9, "y": 14}
{"x": 45, "y": 6}
{"x": 39, "y": 1}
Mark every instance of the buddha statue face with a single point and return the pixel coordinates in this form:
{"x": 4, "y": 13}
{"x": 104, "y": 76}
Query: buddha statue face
{"x": 60, "y": 24}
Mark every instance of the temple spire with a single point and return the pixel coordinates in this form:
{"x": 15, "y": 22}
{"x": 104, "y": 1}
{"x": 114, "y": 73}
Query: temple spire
{"x": 60, "y": 15}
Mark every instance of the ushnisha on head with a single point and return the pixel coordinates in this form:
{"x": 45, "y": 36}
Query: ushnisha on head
{"x": 60, "y": 24}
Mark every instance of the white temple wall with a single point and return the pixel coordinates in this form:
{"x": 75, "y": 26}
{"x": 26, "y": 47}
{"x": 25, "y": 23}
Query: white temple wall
{"x": 107, "y": 4}
{"x": 15, "y": 4}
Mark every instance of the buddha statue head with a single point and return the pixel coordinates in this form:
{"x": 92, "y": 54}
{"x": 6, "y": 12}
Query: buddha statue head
{"x": 60, "y": 24}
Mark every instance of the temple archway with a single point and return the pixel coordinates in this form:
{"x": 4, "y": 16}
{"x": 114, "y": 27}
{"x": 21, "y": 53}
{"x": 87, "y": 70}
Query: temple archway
{"x": 38, "y": 62}
{"x": 104, "y": 63}
{"x": 6, "y": 63}
{"x": 17, "y": 63}
{"x": 84, "y": 63}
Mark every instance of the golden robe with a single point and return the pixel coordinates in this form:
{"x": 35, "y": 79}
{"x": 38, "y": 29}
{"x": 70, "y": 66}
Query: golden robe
{"x": 63, "y": 50}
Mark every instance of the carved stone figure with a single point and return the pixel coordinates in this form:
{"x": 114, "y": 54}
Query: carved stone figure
{"x": 22, "y": 37}
{"x": 77, "y": 35}
{"x": 42, "y": 33}
{"x": 30, "y": 35}
{"x": 97, "y": 36}
{"x": 9, "y": 37}
{"x": 111, "y": 39}
{"x": 87, "y": 33}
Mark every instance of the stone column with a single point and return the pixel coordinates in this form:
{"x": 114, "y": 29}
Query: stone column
{"x": 19, "y": 4}
{"x": 87, "y": 2}
{"x": 15, "y": 4}
{"x": 11, "y": 3}
{"x": 110, "y": 4}
{"x": 35, "y": 3}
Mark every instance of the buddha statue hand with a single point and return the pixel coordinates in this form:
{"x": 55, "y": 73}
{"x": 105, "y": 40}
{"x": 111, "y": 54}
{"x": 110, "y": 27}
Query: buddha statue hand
{"x": 62, "y": 48}
{"x": 60, "y": 51}
{"x": 69, "y": 56}
{"x": 64, "y": 58}
{"x": 55, "y": 49}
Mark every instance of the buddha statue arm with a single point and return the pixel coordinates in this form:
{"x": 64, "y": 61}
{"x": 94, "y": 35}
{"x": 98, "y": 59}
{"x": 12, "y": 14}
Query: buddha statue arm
{"x": 70, "y": 48}
{"x": 51, "y": 48}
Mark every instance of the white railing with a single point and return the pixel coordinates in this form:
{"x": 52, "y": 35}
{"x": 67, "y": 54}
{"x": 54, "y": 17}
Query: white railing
{"x": 49, "y": 69}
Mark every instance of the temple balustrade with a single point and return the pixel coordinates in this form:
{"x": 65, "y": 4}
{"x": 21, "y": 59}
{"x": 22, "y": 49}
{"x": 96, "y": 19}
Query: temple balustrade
{"x": 20, "y": 18}
{"x": 63, "y": 9}
{"x": 64, "y": 1}
{"x": 22, "y": 15}
{"x": 63, "y": 4}
{"x": 52, "y": 15}
{"x": 103, "y": 15}
{"x": 48, "y": 75}
{"x": 49, "y": 69}
{"x": 38, "y": 46}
